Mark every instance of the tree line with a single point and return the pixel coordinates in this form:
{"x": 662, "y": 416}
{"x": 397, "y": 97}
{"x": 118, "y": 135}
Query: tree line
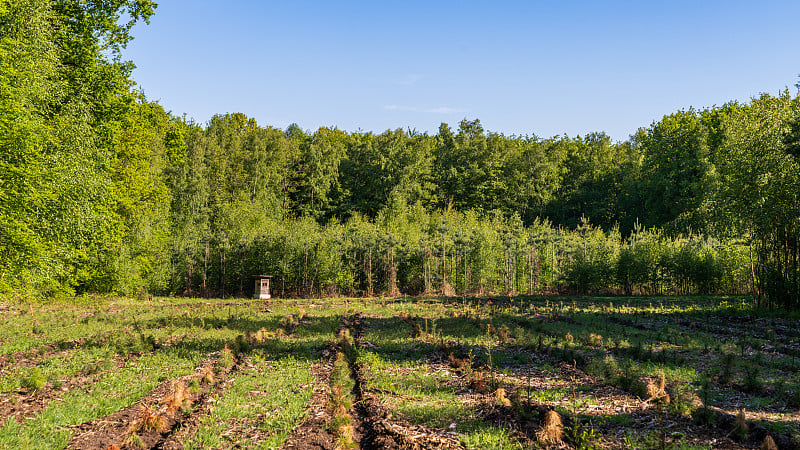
{"x": 102, "y": 190}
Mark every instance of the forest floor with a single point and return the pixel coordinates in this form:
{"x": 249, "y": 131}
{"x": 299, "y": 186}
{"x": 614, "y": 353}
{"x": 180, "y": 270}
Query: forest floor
{"x": 490, "y": 372}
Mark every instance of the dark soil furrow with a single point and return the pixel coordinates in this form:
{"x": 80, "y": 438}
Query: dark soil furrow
{"x": 374, "y": 425}
{"x": 153, "y": 419}
{"x": 201, "y": 408}
{"x": 313, "y": 432}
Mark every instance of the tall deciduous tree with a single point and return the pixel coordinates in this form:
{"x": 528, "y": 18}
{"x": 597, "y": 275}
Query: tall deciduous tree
{"x": 676, "y": 166}
{"x": 759, "y": 188}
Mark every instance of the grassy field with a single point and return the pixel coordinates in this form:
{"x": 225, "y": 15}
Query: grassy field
{"x": 539, "y": 372}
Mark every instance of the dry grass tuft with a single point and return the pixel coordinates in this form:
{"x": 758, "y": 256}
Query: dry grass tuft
{"x": 657, "y": 390}
{"x": 768, "y": 444}
{"x": 339, "y": 410}
{"x": 552, "y": 430}
{"x": 500, "y": 395}
{"x": 740, "y": 427}
{"x": 148, "y": 420}
{"x": 207, "y": 375}
{"x": 261, "y": 335}
{"x": 344, "y": 334}
{"x": 455, "y": 362}
{"x": 178, "y": 398}
{"x": 477, "y": 381}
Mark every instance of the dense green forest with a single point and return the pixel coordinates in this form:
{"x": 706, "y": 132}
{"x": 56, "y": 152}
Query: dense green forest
{"x": 102, "y": 190}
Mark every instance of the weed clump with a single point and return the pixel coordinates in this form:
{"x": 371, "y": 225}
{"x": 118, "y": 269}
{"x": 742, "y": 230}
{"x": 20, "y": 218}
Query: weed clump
{"x": 226, "y": 359}
{"x": 606, "y": 369}
{"x": 56, "y": 382}
{"x": 752, "y": 379}
{"x": 793, "y": 399}
{"x": 704, "y": 415}
{"x": 292, "y": 321}
{"x": 631, "y": 380}
{"x": 94, "y": 367}
{"x": 552, "y": 430}
{"x": 594, "y": 340}
{"x": 242, "y": 345}
{"x": 727, "y": 368}
{"x": 683, "y": 399}
{"x": 501, "y": 332}
{"x": 260, "y": 335}
{"x": 34, "y": 381}
{"x": 134, "y": 440}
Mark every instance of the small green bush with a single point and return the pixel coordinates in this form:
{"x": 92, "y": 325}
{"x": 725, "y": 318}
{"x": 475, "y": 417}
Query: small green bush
{"x": 226, "y": 358}
{"x": 683, "y": 399}
{"x": 752, "y": 379}
{"x": 606, "y": 369}
{"x": 727, "y": 368}
{"x": 34, "y": 381}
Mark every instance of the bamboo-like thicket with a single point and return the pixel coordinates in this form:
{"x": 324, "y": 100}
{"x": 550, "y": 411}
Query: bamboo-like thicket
{"x": 453, "y": 253}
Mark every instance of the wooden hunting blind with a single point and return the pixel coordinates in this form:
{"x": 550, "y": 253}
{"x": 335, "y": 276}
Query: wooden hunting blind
{"x": 261, "y": 286}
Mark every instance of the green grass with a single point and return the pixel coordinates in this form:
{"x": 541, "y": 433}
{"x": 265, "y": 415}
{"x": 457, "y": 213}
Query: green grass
{"x": 114, "y": 391}
{"x": 166, "y": 337}
{"x": 489, "y": 438}
{"x": 272, "y": 395}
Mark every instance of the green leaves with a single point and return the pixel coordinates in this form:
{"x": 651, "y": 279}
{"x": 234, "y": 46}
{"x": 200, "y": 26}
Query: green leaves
{"x": 676, "y": 166}
{"x": 760, "y": 182}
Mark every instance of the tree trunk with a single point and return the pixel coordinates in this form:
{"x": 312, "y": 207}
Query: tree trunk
{"x": 188, "y": 273}
{"x": 205, "y": 272}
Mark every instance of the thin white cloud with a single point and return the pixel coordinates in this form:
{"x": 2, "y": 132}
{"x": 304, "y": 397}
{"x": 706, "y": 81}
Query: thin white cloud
{"x": 445, "y": 110}
{"x": 439, "y": 110}
{"x": 399, "y": 108}
{"x": 408, "y": 80}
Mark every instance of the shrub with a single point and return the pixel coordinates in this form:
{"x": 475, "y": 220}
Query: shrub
{"x": 606, "y": 369}
{"x": 752, "y": 379}
{"x": 226, "y": 359}
{"x": 34, "y": 381}
{"x": 727, "y": 367}
{"x": 684, "y": 399}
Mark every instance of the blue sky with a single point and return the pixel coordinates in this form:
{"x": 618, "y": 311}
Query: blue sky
{"x": 537, "y": 67}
